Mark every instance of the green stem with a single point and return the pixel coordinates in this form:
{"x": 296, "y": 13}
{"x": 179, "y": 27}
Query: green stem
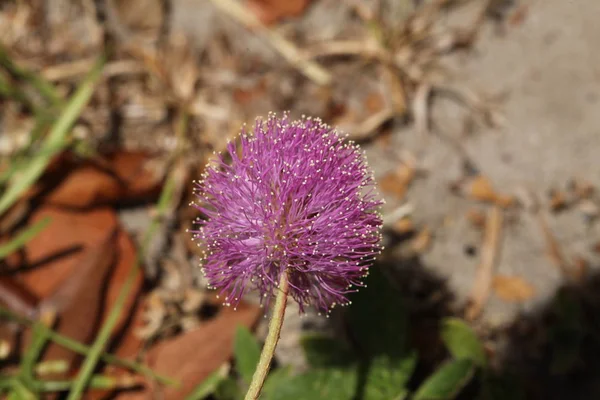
{"x": 262, "y": 369}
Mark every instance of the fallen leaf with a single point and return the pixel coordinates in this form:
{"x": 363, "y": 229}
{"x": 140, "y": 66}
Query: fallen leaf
{"x": 397, "y": 182}
{"x": 558, "y": 201}
{"x": 421, "y": 242}
{"x": 194, "y": 355}
{"x": 374, "y": 102}
{"x": 512, "y": 289}
{"x": 476, "y": 218}
{"x": 403, "y": 226}
{"x": 16, "y": 297}
{"x": 118, "y": 177}
{"x": 481, "y": 189}
{"x": 126, "y": 260}
{"x": 50, "y": 257}
{"x": 244, "y": 96}
{"x": 79, "y": 299}
{"x": 272, "y": 11}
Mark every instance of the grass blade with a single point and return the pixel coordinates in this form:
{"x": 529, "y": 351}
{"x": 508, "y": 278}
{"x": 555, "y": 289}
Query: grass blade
{"x": 55, "y": 141}
{"x": 45, "y": 88}
{"x": 23, "y": 237}
{"x": 83, "y": 349}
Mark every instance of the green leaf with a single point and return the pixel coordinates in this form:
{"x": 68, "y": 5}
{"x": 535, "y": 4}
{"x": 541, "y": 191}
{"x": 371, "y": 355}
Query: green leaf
{"x": 447, "y": 381}
{"x": 275, "y": 378}
{"x": 387, "y": 378}
{"x": 247, "y": 352}
{"x": 207, "y": 387}
{"x": 462, "y": 342}
{"x": 323, "y": 351}
{"x": 377, "y": 318}
{"x": 317, "y": 384}
{"x": 23, "y": 237}
{"x": 228, "y": 389}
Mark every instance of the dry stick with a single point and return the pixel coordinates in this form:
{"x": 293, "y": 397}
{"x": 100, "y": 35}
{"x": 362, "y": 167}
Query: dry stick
{"x": 288, "y": 50}
{"x": 366, "y": 129}
{"x": 553, "y": 248}
{"x": 489, "y": 257}
{"x": 262, "y": 369}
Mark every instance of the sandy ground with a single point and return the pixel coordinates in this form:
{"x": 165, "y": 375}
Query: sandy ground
{"x": 550, "y": 76}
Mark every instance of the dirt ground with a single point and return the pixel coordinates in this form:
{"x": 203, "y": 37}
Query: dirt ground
{"x": 549, "y": 76}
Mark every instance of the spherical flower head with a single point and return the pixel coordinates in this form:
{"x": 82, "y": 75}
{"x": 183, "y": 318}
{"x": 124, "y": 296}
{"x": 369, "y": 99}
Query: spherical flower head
{"x": 292, "y": 198}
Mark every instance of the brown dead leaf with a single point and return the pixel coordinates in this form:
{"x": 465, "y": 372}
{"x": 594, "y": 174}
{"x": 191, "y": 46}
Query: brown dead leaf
{"x": 272, "y": 11}
{"x": 421, "y": 242}
{"x": 59, "y": 252}
{"x": 397, "y": 182}
{"x": 126, "y": 259}
{"x": 403, "y": 226}
{"x": 118, "y": 177}
{"x": 513, "y": 289}
{"x": 481, "y": 189}
{"x": 476, "y": 218}
{"x": 558, "y": 200}
{"x": 50, "y": 257}
{"x": 79, "y": 299}
{"x": 243, "y": 96}
{"x": 16, "y": 297}
{"x": 374, "y": 102}
{"x": 192, "y": 356}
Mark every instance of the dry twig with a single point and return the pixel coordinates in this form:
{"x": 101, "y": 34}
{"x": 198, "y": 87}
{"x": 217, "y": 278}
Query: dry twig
{"x": 288, "y": 50}
{"x": 489, "y": 258}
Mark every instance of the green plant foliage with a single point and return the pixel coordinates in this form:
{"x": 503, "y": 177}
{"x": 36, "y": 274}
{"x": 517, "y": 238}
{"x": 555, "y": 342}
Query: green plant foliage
{"x": 229, "y": 389}
{"x": 377, "y": 368}
{"x": 447, "y": 381}
{"x": 247, "y": 353}
{"x": 387, "y": 378}
{"x": 377, "y": 318}
{"x": 207, "y": 387}
{"x": 462, "y": 342}
{"x": 330, "y": 384}
{"x": 276, "y": 377}
{"x": 323, "y": 351}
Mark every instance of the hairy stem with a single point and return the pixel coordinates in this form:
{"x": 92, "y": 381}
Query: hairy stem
{"x": 262, "y": 369}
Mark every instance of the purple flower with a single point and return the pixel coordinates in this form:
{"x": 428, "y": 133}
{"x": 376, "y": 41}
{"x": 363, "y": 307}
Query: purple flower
{"x": 293, "y": 198}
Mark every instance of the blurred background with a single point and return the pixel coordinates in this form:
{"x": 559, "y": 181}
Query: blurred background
{"x": 480, "y": 119}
